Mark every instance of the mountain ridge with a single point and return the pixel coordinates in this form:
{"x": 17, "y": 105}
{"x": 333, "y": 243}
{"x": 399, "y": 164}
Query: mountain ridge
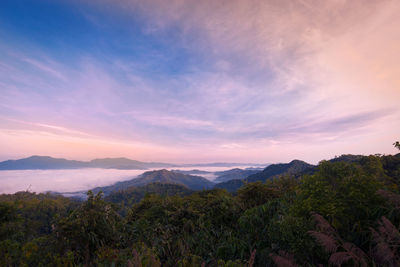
{"x": 295, "y": 167}
{"x": 163, "y": 176}
{"x": 36, "y": 162}
{"x": 236, "y": 173}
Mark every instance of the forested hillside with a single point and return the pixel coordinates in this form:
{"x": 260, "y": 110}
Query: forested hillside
{"x": 236, "y": 173}
{"x": 345, "y": 212}
{"x": 294, "y": 168}
{"x": 160, "y": 176}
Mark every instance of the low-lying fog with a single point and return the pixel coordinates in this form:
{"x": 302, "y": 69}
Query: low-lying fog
{"x": 77, "y": 179}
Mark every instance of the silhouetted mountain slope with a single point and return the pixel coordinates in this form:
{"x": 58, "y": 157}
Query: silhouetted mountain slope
{"x": 347, "y": 158}
{"x": 295, "y": 167}
{"x": 236, "y": 173}
{"x": 160, "y": 176}
{"x": 222, "y": 164}
{"x": 231, "y": 185}
{"x": 192, "y": 172}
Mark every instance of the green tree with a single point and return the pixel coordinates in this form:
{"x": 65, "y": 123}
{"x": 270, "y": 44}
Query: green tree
{"x": 397, "y": 144}
{"x": 255, "y": 194}
{"x": 346, "y": 195}
{"x": 89, "y": 227}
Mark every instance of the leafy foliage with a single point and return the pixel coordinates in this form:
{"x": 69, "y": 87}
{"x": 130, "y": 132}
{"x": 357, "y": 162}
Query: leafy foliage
{"x": 397, "y": 145}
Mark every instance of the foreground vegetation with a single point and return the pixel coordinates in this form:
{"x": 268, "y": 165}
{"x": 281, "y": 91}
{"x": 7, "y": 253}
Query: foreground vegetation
{"x": 344, "y": 214}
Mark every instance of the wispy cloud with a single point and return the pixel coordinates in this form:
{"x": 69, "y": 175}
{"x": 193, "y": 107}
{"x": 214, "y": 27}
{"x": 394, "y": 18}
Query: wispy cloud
{"x": 45, "y": 67}
{"x": 217, "y": 77}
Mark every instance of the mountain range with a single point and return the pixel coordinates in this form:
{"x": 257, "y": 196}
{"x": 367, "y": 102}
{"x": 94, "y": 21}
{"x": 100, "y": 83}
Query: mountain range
{"x": 194, "y": 182}
{"x": 295, "y": 167}
{"x": 50, "y": 163}
{"x": 230, "y": 180}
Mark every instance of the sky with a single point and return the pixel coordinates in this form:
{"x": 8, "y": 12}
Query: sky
{"x": 187, "y": 81}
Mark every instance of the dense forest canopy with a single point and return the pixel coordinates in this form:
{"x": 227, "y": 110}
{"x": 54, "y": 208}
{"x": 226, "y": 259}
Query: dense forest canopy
{"x": 343, "y": 213}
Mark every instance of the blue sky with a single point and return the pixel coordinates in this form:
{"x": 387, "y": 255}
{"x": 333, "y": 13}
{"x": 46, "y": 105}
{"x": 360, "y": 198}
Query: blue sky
{"x": 187, "y": 81}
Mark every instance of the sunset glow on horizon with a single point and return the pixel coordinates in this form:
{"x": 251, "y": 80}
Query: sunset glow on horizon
{"x": 199, "y": 81}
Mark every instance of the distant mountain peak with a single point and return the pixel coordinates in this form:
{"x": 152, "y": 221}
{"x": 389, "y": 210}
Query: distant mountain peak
{"x": 40, "y": 157}
{"x": 297, "y": 161}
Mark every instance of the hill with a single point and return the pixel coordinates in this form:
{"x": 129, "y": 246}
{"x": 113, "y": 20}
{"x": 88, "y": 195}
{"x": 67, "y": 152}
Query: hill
{"x": 236, "y": 173}
{"x": 295, "y": 167}
{"x": 160, "y": 176}
{"x": 347, "y": 158}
